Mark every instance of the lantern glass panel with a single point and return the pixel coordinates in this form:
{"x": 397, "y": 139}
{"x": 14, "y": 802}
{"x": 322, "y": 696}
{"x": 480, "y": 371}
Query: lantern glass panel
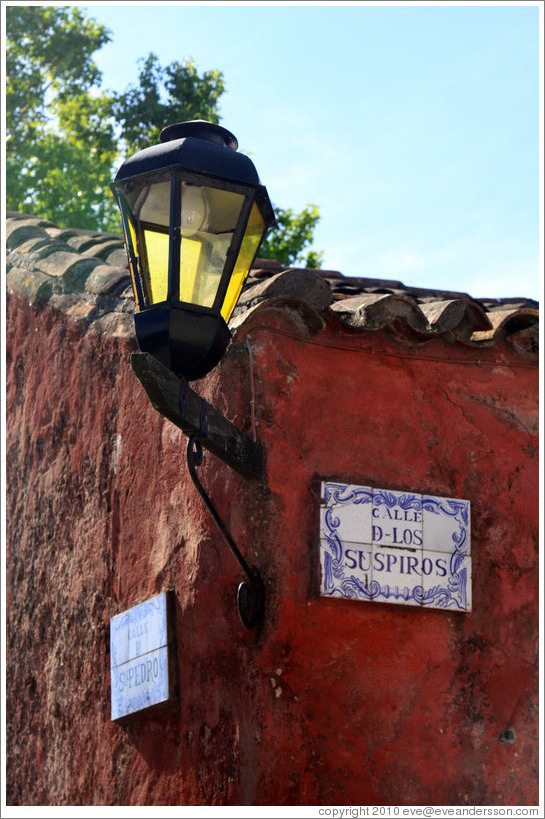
{"x": 155, "y": 245}
{"x": 250, "y": 243}
{"x": 209, "y": 217}
{"x": 130, "y": 243}
{"x": 146, "y": 207}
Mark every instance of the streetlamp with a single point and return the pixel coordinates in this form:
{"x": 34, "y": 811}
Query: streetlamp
{"x": 194, "y": 213}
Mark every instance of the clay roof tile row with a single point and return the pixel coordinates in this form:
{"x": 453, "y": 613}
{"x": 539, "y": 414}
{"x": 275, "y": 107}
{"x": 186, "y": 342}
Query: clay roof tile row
{"x": 85, "y": 274}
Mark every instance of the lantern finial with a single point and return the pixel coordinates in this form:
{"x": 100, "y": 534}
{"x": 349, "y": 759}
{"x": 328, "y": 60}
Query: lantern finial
{"x": 200, "y": 129}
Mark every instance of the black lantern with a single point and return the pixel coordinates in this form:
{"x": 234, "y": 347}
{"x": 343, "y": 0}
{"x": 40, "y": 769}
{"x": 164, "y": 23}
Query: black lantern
{"x": 194, "y": 213}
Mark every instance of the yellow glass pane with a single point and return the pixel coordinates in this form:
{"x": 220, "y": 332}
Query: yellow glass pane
{"x": 130, "y": 241}
{"x": 209, "y": 219}
{"x": 248, "y": 248}
{"x": 157, "y": 258}
{"x": 202, "y": 258}
{"x": 146, "y": 205}
{"x": 190, "y": 254}
{"x": 133, "y": 236}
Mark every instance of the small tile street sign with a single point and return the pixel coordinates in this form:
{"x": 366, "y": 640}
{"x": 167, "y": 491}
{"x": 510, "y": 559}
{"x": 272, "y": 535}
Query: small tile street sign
{"x": 139, "y": 658}
{"x": 377, "y": 545}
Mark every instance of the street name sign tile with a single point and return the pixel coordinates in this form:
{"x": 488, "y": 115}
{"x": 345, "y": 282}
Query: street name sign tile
{"x": 385, "y": 546}
{"x": 141, "y": 672}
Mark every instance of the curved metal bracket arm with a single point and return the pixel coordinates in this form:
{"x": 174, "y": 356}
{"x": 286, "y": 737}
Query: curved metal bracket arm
{"x": 251, "y": 594}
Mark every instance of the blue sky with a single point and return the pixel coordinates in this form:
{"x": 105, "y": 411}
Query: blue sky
{"x": 415, "y": 129}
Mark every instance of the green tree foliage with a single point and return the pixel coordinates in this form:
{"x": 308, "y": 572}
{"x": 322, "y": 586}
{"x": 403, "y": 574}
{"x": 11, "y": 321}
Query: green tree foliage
{"x": 294, "y": 233}
{"x": 175, "y": 93}
{"x": 54, "y": 124}
{"x": 65, "y": 135}
{"x": 47, "y": 49}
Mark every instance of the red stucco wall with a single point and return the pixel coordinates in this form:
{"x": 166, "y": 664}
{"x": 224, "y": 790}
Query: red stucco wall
{"x": 332, "y": 702}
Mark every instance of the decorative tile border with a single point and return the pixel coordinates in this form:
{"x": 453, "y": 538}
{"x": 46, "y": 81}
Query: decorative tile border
{"x": 379, "y": 545}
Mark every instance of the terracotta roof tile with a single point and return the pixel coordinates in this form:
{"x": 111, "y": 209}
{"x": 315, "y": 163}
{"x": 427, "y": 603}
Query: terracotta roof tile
{"x": 297, "y": 283}
{"x": 85, "y": 274}
{"x": 20, "y": 232}
{"x": 30, "y": 284}
{"x": 116, "y": 257}
{"x": 106, "y": 279}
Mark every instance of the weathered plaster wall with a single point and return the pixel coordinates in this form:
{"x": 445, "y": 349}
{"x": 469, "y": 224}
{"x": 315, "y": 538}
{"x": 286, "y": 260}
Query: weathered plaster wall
{"x": 332, "y": 702}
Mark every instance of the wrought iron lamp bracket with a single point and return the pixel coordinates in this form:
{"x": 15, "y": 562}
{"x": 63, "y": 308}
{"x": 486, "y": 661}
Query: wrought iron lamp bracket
{"x": 251, "y": 593}
{"x": 172, "y": 396}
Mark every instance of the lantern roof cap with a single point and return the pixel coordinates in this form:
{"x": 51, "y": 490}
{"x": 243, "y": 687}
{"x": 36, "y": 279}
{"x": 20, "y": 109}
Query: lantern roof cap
{"x": 200, "y": 129}
{"x": 197, "y": 147}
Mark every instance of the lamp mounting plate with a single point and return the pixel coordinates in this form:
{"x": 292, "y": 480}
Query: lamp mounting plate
{"x": 174, "y": 399}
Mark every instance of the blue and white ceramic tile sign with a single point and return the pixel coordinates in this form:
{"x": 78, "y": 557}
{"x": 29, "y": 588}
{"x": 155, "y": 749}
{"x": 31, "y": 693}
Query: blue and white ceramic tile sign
{"x": 139, "y": 657}
{"x": 383, "y": 546}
